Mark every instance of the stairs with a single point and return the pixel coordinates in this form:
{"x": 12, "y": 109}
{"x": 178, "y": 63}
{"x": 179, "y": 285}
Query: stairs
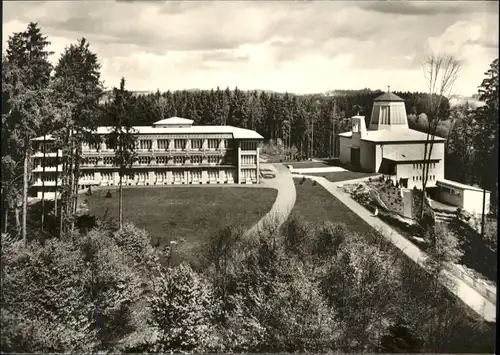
{"x": 444, "y": 216}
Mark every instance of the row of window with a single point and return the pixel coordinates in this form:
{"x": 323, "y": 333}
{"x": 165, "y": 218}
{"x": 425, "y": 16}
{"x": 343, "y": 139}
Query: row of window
{"x": 421, "y": 165}
{"x": 248, "y": 159}
{"x": 197, "y": 159}
{"x": 419, "y": 178}
{"x": 162, "y": 175}
{"x": 249, "y": 173}
{"x": 162, "y": 144}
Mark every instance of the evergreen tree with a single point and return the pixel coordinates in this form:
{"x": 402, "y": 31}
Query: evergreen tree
{"x": 122, "y": 138}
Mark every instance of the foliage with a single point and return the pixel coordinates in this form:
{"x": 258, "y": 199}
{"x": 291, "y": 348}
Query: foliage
{"x": 181, "y": 311}
{"x": 50, "y": 293}
{"x": 443, "y": 244}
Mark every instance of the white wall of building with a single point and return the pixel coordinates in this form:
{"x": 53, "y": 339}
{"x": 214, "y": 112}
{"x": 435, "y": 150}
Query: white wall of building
{"x": 473, "y": 202}
{"x": 345, "y": 149}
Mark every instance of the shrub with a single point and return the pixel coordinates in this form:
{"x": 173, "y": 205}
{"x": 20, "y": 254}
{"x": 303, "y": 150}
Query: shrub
{"x": 108, "y": 194}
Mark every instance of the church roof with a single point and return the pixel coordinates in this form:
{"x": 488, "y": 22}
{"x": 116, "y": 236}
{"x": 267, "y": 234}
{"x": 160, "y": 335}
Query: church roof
{"x": 399, "y": 135}
{"x": 388, "y": 97}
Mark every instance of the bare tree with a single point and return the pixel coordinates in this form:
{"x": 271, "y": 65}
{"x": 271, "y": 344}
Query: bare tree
{"x": 441, "y": 71}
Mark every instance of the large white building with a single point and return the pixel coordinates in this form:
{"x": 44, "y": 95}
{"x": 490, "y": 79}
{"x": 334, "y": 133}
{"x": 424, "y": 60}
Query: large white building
{"x": 171, "y": 151}
{"x": 389, "y": 146}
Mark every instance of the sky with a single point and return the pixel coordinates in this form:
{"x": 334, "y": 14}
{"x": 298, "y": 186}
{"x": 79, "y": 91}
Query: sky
{"x": 294, "y": 46}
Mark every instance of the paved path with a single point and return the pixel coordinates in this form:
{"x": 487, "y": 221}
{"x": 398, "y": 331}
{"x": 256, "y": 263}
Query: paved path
{"x": 462, "y": 289}
{"x": 285, "y": 200}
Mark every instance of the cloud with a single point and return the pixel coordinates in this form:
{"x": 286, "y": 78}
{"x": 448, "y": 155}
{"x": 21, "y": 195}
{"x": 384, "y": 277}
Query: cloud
{"x": 294, "y": 46}
{"x": 431, "y": 8}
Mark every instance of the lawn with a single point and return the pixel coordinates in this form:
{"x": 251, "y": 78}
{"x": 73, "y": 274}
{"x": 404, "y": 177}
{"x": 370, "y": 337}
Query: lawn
{"x": 316, "y": 205}
{"x": 190, "y": 213}
{"x": 307, "y": 164}
{"x": 343, "y": 175}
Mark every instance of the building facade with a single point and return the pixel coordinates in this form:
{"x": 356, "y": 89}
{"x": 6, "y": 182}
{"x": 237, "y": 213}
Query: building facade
{"x": 390, "y": 147}
{"x": 171, "y": 151}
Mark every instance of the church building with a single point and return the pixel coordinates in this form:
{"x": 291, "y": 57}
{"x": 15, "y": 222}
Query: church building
{"x": 389, "y": 146}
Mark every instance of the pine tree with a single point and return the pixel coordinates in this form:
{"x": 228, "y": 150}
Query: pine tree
{"x": 79, "y": 87}
{"x": 122, "y": 138}
{"x": 27, "y": 56}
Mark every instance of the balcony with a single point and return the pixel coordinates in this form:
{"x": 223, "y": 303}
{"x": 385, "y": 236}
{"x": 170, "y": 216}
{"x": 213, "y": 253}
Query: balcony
{"x": 51, "y": 168}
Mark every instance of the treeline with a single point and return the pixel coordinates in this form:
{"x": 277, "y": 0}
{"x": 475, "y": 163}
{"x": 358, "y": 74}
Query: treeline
{"x": 302, "y": 288}
{"x": 308, "y": 122}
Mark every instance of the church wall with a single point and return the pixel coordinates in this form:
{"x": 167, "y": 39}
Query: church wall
{"x": 345, "y": 149}
{"x": 367, "y": 152}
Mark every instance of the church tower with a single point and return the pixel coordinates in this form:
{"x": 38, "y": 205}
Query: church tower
{"x": 388, "y": 113}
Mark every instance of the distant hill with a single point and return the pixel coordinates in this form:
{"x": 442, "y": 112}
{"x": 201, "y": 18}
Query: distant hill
{"x": 473, "y": 101}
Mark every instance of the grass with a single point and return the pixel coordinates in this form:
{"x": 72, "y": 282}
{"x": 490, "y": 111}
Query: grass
{"x": 307, "y": 164}
{"x": 316, "y": 205}
{"x": 190, "y": 213}
{"x": 343, "y": 175}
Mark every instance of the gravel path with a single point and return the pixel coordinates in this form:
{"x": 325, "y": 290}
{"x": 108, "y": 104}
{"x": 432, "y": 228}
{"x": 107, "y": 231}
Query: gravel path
{"x": 285, "y": 200}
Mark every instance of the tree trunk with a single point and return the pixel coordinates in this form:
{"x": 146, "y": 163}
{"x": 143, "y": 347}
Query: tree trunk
{"x": 18, "y": 221}
{"x": 25, "y": 192}
{"x": 57, "y": 177}
{"x": 43, "y": 179}
{"x": 63, "y": 192}
{"x": 120, "y": 203}
{"x": 6, "y": 219}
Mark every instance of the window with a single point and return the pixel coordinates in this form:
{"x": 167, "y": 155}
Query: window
{"x": 228, "y": 159}
{"x": 178, "y": 160}
{"x": 144, "y": 160}
{"x": 197, "y": 159}
{"x": 161, "y": 160}
{"x": 88, "y": 176}
{"x": 179, "y": 143}
{"x": 248, "y": 146}
{"x": 107, "y": 161}
{"x": 162, "y": 144}
{"x": 178, "y": 175}
{"x": 94, "y": 146}
{"x": 145, "y": 144}
{"x": 212, "y": 174}
{"x": 49, "y": 177}
{"x": 213, "y": 160}
{"x": 196, "y": 175}
{"x": 107, "y": 176}
{"x": 228, "y": 143}
{"x": 213, "y": 143}
{"x": 413, "y": 178}
{"x": 196, "y": 144}
{"x": 248, "y": 159}
{"x": 90, "y": 161}
{"x": 161, "y": 175}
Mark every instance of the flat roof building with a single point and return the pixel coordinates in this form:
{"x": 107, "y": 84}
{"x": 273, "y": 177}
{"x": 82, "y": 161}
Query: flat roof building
{"x": 170, "y": 151}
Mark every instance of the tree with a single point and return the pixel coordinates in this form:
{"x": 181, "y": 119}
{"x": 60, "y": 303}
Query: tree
{"x": 486, "y": 131}
{"x": 441, "y": 71}
{"x": 444, "y": 246}
{"x": 79, "y": 89}
{"x": 181, "y": 309}
{"x": 122, "y": 138}
{"x": 28, "y": 56}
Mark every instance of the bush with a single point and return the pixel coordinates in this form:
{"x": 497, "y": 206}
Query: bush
{"x": 108, "y": 194}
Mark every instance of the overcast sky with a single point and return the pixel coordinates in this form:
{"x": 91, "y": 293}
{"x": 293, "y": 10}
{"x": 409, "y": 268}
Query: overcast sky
{"x": 289, "y": 46}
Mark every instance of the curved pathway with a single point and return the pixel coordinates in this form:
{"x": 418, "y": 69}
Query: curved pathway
{"x": 285, "y": 200}
{"x": 460, "y": 287}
